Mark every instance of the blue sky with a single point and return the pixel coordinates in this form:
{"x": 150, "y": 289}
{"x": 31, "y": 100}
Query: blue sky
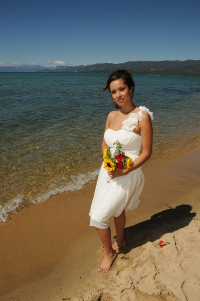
{"x": 86, "y": 32}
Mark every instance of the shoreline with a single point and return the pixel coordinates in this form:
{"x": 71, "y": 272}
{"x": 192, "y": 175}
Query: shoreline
{"x": 23, "y": 199}
{"x": 50, "y": 252}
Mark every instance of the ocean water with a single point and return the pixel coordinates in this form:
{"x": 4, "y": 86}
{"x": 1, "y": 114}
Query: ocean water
{"x": 51, "y": 129}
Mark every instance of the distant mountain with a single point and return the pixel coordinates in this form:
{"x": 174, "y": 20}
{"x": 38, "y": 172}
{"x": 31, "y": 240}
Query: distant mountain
{"x": 189, "y": 67}
{"x": 23, "y": 68}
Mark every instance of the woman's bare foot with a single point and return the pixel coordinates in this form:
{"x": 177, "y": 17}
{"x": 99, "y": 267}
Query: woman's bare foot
{"x": 107, "y": 262}
{"x": 117, "y": 246}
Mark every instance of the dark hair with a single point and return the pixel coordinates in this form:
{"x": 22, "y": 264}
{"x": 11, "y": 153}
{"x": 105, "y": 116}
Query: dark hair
{"x": 125, "y": 75}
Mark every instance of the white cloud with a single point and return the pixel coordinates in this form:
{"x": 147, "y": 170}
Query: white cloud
{"x": 60, "y": 63}
{"x": 56, "y": 63}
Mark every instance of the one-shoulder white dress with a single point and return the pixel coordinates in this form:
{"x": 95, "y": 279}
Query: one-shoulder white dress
{"x": 121, "y": 193}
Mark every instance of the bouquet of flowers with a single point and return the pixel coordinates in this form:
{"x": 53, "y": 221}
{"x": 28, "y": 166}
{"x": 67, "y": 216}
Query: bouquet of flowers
{"x": 119, "y": 160}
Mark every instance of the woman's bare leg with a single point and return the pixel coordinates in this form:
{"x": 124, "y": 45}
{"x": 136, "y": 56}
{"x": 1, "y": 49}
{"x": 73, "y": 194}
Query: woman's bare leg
{"x": 105, "y": 236}
{"x": 120, "y": 222}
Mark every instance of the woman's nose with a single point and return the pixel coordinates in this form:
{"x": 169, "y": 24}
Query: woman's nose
{"x": 118, "y": 94}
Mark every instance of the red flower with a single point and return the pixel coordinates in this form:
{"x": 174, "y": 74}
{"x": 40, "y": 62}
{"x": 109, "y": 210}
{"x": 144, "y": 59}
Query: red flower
{"x": 162, "y": 243}
{"x": 120, "y": 164}
{"x": 120, "y": 157}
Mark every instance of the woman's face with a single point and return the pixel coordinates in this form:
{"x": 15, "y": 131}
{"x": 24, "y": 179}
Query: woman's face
{"x": 120, "y": 92}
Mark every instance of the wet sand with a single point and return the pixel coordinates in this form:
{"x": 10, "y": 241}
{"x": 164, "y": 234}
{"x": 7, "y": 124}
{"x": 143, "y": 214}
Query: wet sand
{"x": 48, "y": 251}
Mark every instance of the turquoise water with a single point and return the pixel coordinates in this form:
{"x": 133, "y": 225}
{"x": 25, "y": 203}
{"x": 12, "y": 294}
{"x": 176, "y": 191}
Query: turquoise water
{"x": 51, "y": 128}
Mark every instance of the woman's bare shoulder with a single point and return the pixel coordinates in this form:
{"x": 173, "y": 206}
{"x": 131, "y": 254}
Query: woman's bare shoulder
{"x": 145, "y": 116}
{"x": 111, "y": 115}
{"x": 145, "y": 122}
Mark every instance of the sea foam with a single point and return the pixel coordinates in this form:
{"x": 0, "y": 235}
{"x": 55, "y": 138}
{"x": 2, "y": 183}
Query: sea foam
{"x": 11, "y": 206}
{"x": 75, "y": 183}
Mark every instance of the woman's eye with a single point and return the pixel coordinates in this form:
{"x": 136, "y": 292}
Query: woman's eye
{"x": 121, "y": 89}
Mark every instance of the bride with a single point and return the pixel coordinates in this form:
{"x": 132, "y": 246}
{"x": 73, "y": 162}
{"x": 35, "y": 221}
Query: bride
{"x": 131, "y": 127}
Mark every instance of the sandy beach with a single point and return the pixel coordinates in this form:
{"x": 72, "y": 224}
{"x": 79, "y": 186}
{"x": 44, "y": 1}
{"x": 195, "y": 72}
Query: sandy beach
{"x": 49, "y": 252}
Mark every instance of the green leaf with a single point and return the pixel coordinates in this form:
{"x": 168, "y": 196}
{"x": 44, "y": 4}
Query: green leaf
{"x": 118, "y": 148}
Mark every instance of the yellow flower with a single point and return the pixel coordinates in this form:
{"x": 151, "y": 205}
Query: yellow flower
{"x": 128, "y": 163}
{"x": 105, "y": 153}
{"x": 109, "y": 165}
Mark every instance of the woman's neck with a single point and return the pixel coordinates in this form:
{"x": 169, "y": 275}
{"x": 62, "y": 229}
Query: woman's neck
{"x": 127, "y": 109}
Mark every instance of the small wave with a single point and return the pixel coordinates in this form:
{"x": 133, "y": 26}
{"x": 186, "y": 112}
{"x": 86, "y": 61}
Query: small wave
{"x": 76, "y": 183}
{"x": 11, "y": 206}
{"x": 58, "y": 186}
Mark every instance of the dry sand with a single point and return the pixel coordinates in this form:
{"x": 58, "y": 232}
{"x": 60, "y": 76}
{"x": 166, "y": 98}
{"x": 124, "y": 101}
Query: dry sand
{"x": 48, "y": 251}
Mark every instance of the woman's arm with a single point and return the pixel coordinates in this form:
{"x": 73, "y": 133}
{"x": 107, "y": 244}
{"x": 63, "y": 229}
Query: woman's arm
{"x": 109, "y": 118}
{"x": 146, "y": 132}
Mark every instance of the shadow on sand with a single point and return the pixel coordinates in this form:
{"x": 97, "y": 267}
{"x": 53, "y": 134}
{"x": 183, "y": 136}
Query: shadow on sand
{"x": 163, "y": 222}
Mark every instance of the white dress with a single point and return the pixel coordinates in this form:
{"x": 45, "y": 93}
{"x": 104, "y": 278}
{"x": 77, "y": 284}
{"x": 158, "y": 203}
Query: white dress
{"x": 121, "y": 193}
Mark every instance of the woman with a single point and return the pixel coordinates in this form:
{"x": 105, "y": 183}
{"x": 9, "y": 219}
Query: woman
{"x": 131, "y": 127}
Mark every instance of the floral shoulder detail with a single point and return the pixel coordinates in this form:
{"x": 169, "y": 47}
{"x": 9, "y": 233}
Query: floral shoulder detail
{"x": 130, "y": 123}
{"x": 145, "y": 110}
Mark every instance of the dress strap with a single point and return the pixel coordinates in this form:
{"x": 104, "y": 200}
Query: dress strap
{"x": 145, "y": 110}
{"x": 130, "y": 123}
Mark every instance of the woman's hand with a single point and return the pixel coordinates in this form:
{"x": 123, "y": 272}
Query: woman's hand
{"x": 116, "y": 173}
{"x": 119, "y": 172}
